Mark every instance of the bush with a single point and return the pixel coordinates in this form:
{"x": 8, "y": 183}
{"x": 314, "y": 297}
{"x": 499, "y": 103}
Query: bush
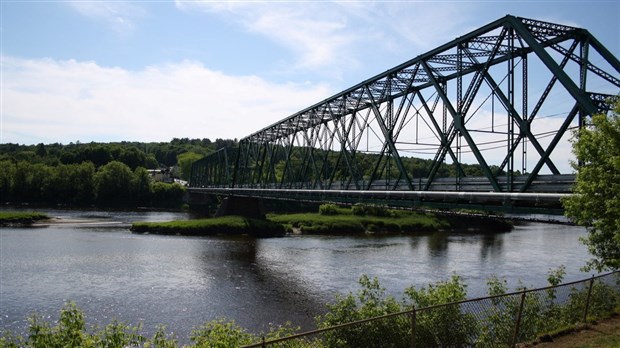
{"x": 446, "y": 326}
{"x": 221, "y": 333}
{"x": 329, "y": 209}
{"x": 360, "y": 209}
{"x": 440, "y": 327}
{"x": 71, "y": 331}
{"x": 369, "y": 302}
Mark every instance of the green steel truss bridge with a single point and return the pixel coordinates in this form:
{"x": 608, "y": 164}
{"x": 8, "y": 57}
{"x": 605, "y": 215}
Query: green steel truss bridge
{"x": 482, "y": 120}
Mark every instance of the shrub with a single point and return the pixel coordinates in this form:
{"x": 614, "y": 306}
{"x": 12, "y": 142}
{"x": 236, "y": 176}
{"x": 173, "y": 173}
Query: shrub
{"x": 221, "y": 333}
{"x": 370, "y": 301}
{"x": 360, "y": 209}
{"x": 446, "y": 326}
{"x": 329, "y": 209}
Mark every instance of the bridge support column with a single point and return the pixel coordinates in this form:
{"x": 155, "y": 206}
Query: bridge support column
{"x": 249, "y": 207}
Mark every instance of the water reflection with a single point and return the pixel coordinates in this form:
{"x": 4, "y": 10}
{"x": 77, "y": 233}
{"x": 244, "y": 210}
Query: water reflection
{"x": 491, "y": 246}
{"x": 258, "y": 293}
{"x": 438, "y": 244}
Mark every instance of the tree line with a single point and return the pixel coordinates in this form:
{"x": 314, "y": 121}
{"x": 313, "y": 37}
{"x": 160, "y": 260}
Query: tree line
{"x": 107, "y": 174}
{"x": 134, "y": 154}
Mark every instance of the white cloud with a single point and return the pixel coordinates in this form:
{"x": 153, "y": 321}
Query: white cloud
{"x": 119, "y": 15}
{"x": 63, "y": 101}
{"x": 329, "y": 37}
{"x": 318, "y": 33}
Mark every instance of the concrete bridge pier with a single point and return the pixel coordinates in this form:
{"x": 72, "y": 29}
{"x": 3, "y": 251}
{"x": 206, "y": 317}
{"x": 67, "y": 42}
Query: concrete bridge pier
{"x": 249, "y": 207}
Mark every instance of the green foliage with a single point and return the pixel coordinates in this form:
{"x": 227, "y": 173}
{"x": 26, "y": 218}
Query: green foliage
{"x": 596, "y": 199}
{"x": 83, "y": 185}
{"x": 604, "y": 301}
{"x": 329, "y": 209}
{"x": 488, "y": 322}
{"x": 360, "y": 209}
{"x": 402, "y": 222}
{"x": 220, "y": 334}
{"x": 370, "y": 301}
{"x": 164, "y": 194}
{"x": 161, "y": 340}
{"x": 185, "y": 161}
{"x": 65, "y": 174}
{"x": 212, "y": 226}
{"x": 542, "y": 310}
{"x": 13, "y": 217}
{"x": 68, "y": 332}
{"x": 114, "y": 183}
{"x": 443, "y": 326}
{"x": 119, "y": 334}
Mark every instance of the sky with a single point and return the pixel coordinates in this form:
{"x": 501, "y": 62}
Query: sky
{"x": 106, "y": 71}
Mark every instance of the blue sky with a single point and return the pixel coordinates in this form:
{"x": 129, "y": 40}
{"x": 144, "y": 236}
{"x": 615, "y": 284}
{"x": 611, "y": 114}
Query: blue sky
{"x": 155, "y": 70}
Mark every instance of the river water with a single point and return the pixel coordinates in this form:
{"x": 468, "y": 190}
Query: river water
{"x": 182, "y": 282}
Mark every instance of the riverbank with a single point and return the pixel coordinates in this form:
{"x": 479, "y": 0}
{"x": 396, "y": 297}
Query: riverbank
{"x": 20, "y": 218}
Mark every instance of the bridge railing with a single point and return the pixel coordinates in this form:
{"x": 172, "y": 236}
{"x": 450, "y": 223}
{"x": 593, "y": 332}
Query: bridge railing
{"x": 495, "y": 321}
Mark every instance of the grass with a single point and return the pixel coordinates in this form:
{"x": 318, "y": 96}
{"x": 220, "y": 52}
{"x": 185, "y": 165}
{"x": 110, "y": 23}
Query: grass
{"x": 604, "y": 332}
{"x": 213, "y": 226}
{"x": 347, "y": 223}
{"x": 19, "y": 217}
{"x": 331, "y": 219}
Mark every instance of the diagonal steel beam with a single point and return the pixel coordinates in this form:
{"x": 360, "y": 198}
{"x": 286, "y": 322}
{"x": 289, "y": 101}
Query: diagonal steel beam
{"x": 460, "y": 127}
{"x": 445, "y": 143}
{"x": 388, "y": 138}
{"x": 551, "y": 147}
{"x": 524, "y": 125}
{"x": 580, "y": 96}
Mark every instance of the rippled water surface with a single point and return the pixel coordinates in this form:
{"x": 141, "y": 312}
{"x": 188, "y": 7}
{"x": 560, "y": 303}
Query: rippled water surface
{"x": 184, "y": 281}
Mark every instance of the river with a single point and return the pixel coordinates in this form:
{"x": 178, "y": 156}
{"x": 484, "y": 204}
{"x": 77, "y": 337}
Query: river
{"x": 182, "y": 282}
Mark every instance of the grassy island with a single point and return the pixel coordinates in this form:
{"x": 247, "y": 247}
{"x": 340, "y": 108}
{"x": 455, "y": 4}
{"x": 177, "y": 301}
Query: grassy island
{"x": 361, "y": 218}
{"x": 20, "y": 217}
{"x": 330, "y": 219}
{"x": 231, "y": 225}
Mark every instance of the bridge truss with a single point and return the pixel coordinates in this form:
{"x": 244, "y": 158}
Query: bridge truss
{"x": 489, "y": 111}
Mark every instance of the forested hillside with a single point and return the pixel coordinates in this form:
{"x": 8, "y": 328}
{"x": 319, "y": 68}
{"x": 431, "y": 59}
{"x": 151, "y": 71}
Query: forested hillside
{"x": 99, "y": 173}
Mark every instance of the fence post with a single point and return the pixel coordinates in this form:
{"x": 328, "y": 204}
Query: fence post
{"x": 413, "y": 327}
{"x": 585, "y": 312}
{"x": 518, "y": 321}
{"x": 263, "y": 343}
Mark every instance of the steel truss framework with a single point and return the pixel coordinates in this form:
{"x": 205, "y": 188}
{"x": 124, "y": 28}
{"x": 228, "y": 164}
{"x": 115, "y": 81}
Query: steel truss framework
{"x": 501, "y": 97}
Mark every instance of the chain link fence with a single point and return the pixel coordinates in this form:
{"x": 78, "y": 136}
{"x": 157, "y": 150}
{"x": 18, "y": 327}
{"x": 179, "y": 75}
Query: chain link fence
{"x": 495, "y": 321}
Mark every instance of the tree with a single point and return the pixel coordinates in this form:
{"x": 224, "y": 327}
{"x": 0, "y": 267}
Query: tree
{"x": 143, "y": 185}
{"x": 7, "y": 175}
{"x": 185, "y": 161}
{"x": 114, "y": 183}
{"x": 595, "y": 202}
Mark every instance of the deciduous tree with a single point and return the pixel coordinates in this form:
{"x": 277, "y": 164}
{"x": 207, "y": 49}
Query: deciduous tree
{"x": 596, "y": 199}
